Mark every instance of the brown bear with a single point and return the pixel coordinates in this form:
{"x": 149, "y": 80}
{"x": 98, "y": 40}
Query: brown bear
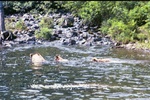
{"x": 99, "y": 60}
{"x": 37, "y": 59}
{"x": 58, "y": 58}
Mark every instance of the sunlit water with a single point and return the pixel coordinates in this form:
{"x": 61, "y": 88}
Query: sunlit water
{"x": 126, "y": 76}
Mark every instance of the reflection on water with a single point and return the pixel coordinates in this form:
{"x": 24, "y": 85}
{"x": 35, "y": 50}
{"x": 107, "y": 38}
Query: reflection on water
{"x": 126, "y": 76}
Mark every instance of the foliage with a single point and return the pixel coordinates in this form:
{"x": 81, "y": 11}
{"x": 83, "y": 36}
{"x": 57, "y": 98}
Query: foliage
{"x": 142, "y": 37}
{"x": 118, "y": 30}
{"x": 124, "y": 21}
{"x": 90, "y": 12}
{"x": 11, "y": 7}
{"x": 72, "y": 6}
{"x": 46, "y": 22}
{"x": 11, "y": 24}
{"x": 142, "y": 45}
{"x": 43, "y": 7}
{"x": 46, "y": 25}
{"x": 20, "y": 25}
{"x": 44, "y": 33}
{"x": 125, "y": 25}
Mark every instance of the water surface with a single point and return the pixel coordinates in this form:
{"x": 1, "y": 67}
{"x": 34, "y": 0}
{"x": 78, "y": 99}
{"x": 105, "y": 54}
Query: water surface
{"x": 126, "y": 76}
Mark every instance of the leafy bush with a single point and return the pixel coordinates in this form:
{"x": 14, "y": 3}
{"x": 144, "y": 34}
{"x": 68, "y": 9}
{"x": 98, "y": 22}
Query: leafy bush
{"x": 46, "y": 26}
{"x": 9, "y": 24}
{"x": 144, "y": 32}
{"x": 12, "y": 25}
{"x": 124, "y": 21}
{"x": 118, "y": 30}
{"x": 72, "y": 6}
{"x": 20, "y": 25}
{"x": 44, "y": 33}
{"x": 43, "y": 7}
{"x": 142, "y": 37}
{"x": 139, "y": 13}
{"x": 90, "y": 12}
{"x": 12, "y": 7}
{"x": 46, "y": 22}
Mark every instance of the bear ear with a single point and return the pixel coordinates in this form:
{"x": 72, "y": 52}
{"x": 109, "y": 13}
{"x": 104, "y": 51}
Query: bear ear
{"x": 38, "y": 53}
{"x": 56, "y": 55}
{"x": 31, "y": 54}
{"x": 94, "y": 58}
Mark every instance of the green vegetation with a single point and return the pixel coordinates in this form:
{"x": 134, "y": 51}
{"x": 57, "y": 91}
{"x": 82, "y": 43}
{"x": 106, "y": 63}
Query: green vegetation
{"x": 44, "y": 33}
{"x": 20, "y": 25}
{"x": 46, "y": 22}
{"x": 124, "y": 21}
{"x": 42, "y": 7}
{"x": 11, "y": 25}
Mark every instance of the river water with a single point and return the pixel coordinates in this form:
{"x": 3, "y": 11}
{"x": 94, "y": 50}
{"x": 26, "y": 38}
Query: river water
{"x": 125, "y": 77}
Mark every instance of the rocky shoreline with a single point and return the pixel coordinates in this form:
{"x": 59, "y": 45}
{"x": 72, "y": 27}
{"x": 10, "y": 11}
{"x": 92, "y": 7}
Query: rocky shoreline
{"x": 70, "y": 31}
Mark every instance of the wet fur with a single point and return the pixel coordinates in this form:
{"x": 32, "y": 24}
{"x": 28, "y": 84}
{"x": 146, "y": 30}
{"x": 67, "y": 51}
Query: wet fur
{"x": 37, "y": 59}
{"x": 99, "y": 60}
{"x": 60, "y": 59}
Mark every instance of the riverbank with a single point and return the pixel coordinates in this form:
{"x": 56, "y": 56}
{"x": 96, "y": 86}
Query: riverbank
{"x": 142, "y": 47}
{"x": 67, "y": 30}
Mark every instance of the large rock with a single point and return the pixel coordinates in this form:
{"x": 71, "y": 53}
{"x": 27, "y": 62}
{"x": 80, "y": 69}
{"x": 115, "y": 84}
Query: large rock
{"x": 65, "y": 22}
{"x": 8, "y": 35}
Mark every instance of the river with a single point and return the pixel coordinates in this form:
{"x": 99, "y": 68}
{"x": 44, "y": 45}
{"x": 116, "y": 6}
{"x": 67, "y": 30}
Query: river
{"x": 125, "y": 77}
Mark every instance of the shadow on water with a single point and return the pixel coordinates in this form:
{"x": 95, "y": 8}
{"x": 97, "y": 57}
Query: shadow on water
{"x": 126, "y": 76}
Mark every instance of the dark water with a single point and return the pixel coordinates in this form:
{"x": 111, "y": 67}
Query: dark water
{"x": 126, "y": 76}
